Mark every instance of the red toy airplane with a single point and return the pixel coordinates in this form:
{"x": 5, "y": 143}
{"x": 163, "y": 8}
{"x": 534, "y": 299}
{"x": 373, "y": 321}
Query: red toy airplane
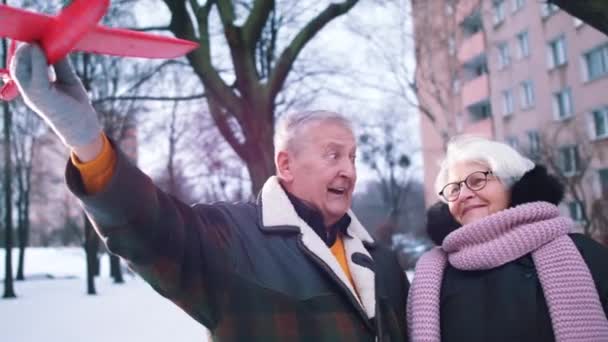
{"x": 75, "y": 28}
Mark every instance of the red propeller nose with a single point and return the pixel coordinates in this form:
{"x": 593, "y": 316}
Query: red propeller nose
{"x": 9, "y": 91}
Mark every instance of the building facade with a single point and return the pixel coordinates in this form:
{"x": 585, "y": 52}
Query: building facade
{"x": 522, "y": 72}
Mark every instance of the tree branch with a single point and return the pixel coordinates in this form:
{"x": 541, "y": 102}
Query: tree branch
{"x": 200, "y": 59}
{"x": 150, "y": 28}
{"x": 221, "y": 120}
{"x": 226, "y": 10}
{"x": 241, "y": 50}
{"x": 252, "y": 29}
{"x": 288, "y": 56}
{"x": 149, "y": 98}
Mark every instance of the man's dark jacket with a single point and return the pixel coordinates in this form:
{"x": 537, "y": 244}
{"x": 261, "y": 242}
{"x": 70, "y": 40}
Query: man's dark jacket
{"x": 249, "y": 271}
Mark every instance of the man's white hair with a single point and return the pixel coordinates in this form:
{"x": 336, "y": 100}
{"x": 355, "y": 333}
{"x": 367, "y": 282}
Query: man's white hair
{"x": 504, "y": 161}
{"x": 289, "y": 127}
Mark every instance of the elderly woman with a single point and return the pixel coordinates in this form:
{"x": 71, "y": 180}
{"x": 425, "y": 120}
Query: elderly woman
{"x": 507, "y": 267}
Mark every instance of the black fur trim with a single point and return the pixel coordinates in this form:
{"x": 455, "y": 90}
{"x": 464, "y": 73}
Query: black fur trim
{"x": 537, "y": 185}
{"x": 440, "y": 222}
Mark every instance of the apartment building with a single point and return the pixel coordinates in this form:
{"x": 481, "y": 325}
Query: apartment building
{"x": 521, "y": 71}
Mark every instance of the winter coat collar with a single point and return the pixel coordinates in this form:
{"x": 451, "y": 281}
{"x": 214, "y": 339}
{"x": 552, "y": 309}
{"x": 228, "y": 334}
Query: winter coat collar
{"x": 276, "y": 214}
{"x": 314, "y": 219}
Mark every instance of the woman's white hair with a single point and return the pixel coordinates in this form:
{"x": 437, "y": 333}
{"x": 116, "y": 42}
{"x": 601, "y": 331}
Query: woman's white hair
{"x": 289, "y": 127}
{"x": 504, "y": 161}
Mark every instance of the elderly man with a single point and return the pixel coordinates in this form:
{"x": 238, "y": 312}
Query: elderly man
{"x": 296, "y": 265}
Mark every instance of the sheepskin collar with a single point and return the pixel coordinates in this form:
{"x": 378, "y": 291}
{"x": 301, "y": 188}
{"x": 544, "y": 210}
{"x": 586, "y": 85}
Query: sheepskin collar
{"x": 276, "y": 214}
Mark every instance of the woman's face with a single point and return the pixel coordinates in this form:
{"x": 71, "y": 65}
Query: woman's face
{"x": 473, "y": 205}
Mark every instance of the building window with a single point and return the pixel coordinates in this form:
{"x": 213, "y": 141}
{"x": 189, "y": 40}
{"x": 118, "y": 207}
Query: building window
{"x": 449, "y": 7}
{"x": 459, "y": 122}
{"x": 455, "y": 83}
{"x": 577, "y": 22}
{"x": 479, "y": 112}
{"x": 547, "y": 9}
{"x": 596, "y": 62}
{"x": 527, "y": 94}
{"x": 499, "y": 11}
{"x": 562, "y": 104}
{"x": 504, "y": 57}
{"x": 603, "y": 175}
{"x": 599, "y": 123}
{"x": 517, "y": 5}
{"x": 576, "y": 210}
{"x": 507, "y": 102}
{"x": 534, "y": 143}
{"x": 569, "y": 160}
{"x": 471, "y": 24}
{"x": 523, "y": 43}
{"x": 480, "y": 69}
{"x": 557, "y": 52}
{"x": 451, "y": 45}
{"x": 513, "y": 142}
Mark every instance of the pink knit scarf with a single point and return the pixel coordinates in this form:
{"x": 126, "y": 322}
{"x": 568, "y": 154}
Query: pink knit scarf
{"x": 574, "y": 305}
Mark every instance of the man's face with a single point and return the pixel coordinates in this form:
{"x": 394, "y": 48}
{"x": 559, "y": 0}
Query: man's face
{"x": 321, "y": 171}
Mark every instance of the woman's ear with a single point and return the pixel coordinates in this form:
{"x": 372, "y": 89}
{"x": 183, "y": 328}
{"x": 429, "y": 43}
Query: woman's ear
{"x": 440, "y": 222}
{"x": 537, "y": 185}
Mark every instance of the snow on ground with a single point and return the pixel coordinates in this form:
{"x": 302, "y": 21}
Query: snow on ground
{"x": 58, "y": 309}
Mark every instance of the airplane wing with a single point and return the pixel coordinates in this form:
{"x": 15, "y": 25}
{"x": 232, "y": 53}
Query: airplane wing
{"x": 29, "y": 27}
{"x": 22, "y": 25}
{"x": 120, "y": 42}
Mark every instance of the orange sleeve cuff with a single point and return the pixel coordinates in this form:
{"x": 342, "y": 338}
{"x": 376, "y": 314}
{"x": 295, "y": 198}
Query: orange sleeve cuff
{"x": 97, "y": 173}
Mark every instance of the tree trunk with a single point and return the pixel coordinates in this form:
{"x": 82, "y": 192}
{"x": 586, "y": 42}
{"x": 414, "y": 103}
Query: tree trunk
{"x": 24, "y": 232}
{"x": 115, "y": 270}
{"x": 261, "y": 168}
{"x": 90, "y": 248}
{"x": 9, "y": 291}
{"x": 20, "y": 267}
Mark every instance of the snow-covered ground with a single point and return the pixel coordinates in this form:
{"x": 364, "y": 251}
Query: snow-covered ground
{"x": 59, "y": 310}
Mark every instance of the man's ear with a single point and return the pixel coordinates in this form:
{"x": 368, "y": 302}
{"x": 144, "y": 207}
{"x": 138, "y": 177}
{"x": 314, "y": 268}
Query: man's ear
{"x": 283, "y": 164}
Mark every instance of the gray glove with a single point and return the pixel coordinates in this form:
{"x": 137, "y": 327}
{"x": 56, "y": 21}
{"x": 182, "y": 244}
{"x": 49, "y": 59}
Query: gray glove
{"x": 63, "y": 104}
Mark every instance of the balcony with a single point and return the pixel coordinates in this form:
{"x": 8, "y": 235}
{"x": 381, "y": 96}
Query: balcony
{"x": 476, "y": 91}
{"x": 481, "y": 128}
{"x": 472, "y": 47}
{"x": 465, "y": 8}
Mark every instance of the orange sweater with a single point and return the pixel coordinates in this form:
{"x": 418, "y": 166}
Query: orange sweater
{"x": 97, "y": 173}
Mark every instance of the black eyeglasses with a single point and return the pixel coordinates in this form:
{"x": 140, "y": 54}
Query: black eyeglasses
{"x": 475, "y": 182}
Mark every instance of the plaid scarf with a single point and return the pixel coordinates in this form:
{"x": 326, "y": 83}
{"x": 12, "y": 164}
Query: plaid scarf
{"x": 574, "y": 305}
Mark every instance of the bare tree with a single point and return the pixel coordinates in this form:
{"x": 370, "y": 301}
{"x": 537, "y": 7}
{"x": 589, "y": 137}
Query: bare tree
{"x": 244, "y": 109}
{"x": 173, "y": 178}
{"x": 382, "y": 148}
{"x": 26, "y": 130}
{"x": 200, "y": 165}
{"x": 566, "y": 150}
{"x": 432, "y": 83}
